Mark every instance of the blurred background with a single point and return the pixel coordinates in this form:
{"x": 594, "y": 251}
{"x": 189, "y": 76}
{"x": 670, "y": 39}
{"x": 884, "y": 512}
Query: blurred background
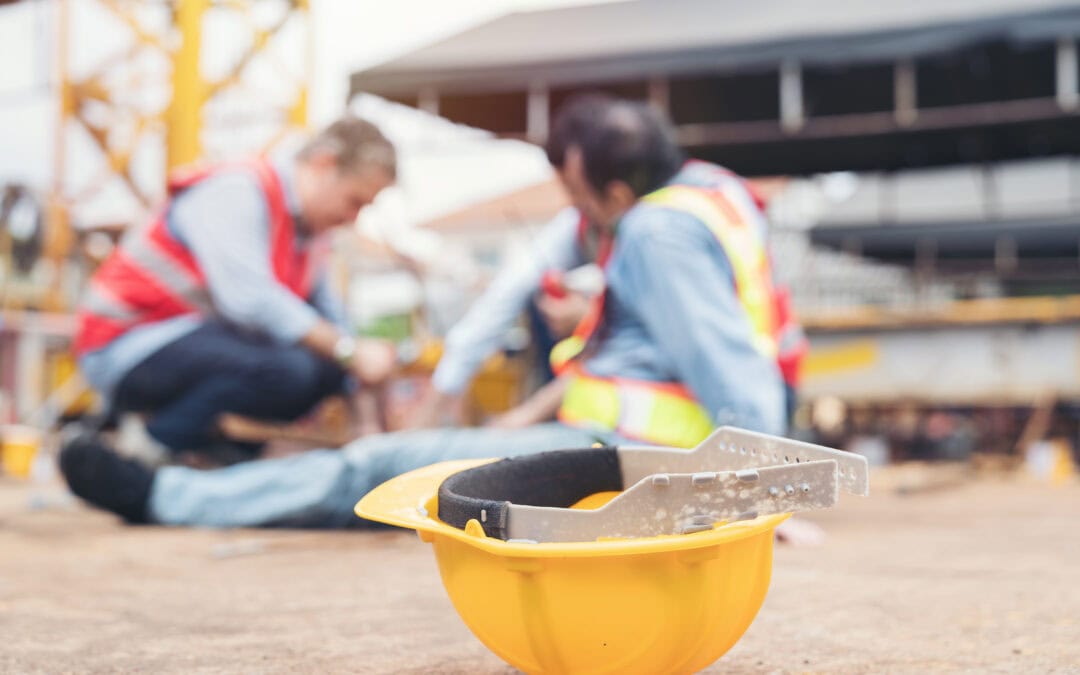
{"x": 918, "y": 161}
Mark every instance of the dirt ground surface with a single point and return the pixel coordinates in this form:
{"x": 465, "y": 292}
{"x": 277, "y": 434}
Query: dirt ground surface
{"x": 972, "y": 576}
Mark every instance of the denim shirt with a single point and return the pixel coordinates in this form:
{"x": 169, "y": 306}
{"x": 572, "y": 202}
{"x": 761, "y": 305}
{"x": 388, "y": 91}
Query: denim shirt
{"x": 672, "y": 314}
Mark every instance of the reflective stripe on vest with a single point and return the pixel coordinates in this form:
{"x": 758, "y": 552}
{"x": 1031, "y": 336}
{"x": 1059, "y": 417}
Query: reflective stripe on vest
{"x": 151, "y": 276}
{"x": 745, "y": 251}
{"x": 98, "y": 300}
{"x": 666, "y": 413}
{"x": 182, "y": 281}
{"x": 661, "y": 413}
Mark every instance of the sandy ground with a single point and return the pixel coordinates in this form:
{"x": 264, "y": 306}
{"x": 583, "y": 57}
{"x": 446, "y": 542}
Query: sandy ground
{"x": 981, "y": 576}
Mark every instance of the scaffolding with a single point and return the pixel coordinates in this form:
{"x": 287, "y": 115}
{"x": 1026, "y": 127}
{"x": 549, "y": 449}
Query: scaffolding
{"x": 142, "y": 87}
{"x": 182, "y": 82}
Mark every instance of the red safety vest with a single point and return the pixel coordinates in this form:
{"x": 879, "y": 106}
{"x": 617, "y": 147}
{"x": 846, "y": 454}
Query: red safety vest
{"x": 152, "y": 277}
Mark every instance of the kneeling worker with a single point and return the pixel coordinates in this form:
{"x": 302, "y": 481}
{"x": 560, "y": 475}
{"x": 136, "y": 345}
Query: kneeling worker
{"x": 220, "y": 303}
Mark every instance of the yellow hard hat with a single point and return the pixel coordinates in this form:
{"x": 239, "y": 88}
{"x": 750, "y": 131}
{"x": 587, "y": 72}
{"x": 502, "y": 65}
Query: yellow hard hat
{"x": 557, "y": 568}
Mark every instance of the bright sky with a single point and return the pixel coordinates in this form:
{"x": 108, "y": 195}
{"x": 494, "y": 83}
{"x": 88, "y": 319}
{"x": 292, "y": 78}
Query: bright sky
{"x": 349, "y": 34}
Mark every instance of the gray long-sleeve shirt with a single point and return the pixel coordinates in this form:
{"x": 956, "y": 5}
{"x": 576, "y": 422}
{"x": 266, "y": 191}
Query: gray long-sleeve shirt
{"x": 224, "y": 221}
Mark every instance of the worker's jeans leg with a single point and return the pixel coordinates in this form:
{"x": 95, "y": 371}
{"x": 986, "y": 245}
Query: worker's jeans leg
{"x": 320, "y": 488}
{"x": 188, "y": 383}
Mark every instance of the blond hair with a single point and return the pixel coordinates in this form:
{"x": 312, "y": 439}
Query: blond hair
{"x": 355, "y": 143}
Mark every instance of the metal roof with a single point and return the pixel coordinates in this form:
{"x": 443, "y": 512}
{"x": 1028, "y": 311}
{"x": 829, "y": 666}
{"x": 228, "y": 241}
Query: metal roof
{"x": 625, "y": 40}
{"x": 1028, "y": 240}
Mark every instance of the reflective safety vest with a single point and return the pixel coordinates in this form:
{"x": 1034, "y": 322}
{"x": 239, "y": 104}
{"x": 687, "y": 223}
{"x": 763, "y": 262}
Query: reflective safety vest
{"x": 666, "y": 413}
{"x": 151, "y": 276}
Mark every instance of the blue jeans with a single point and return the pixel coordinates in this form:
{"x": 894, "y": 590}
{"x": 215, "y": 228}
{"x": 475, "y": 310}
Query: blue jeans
{"x": 319, "y": 489}
{"x": 218, "y": 368}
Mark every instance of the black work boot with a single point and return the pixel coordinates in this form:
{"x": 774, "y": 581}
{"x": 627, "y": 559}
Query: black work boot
{"x": 105, "y": 479}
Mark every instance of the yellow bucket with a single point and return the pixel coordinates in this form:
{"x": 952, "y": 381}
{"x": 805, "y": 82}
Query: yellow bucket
{"x": 667, "y": 604}
{"x": 18, "y": 447}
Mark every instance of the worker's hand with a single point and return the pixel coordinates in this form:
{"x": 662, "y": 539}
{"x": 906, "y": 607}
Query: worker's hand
{"x": 374, "y": 361}
{"x": 540, "y": 407}
{"x": 434, "y": 406}
{"x": 562, "y": 315}
{"x": 515, "y": 418}
{"x": 369, "y": 411}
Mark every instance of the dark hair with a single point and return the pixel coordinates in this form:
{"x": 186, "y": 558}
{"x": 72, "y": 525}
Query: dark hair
{"x": 355, "y": 143}
{"x": 619, "y": 140}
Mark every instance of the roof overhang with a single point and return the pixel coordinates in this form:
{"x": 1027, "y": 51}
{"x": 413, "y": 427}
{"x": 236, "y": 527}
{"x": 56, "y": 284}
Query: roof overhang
{"x": 1028, "y": 244}
{"x": 623, "y": 40}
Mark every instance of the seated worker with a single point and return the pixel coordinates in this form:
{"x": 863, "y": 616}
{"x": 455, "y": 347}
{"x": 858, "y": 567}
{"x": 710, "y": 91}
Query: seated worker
{"x": 220, "y": 303}
{"x": 683, "y": 332}
{"x": 565, "y": 247}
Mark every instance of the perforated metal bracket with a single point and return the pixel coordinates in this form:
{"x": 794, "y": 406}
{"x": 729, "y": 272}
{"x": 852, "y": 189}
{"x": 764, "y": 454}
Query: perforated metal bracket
{"x": 732, "y": 449}
{"x": 683, "y": 503}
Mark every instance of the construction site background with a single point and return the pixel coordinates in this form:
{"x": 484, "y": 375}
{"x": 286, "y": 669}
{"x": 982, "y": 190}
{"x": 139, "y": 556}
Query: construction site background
{"x": 920, "y": 167}
{"x": 923, "y": 196}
